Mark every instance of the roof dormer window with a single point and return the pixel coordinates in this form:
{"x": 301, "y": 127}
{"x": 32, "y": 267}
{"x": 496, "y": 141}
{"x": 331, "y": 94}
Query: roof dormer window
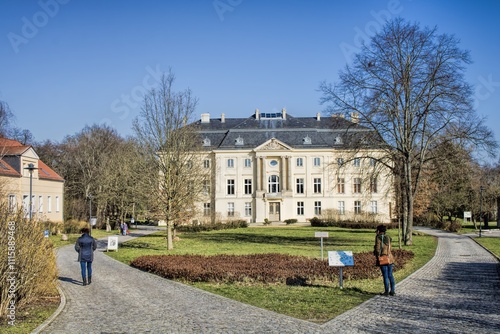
{"x": 306, "y": 140}
{"x": 239, "y": 141}
{"x": 206, "y": 142}
{"x": 338, "y": 140}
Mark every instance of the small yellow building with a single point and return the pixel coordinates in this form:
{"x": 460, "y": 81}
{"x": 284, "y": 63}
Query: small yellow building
{"x": 23, "y": 173}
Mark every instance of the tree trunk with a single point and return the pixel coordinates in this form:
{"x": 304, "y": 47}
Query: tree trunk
{"x": 170, "y": 241}
{"x": 498, "y": 211}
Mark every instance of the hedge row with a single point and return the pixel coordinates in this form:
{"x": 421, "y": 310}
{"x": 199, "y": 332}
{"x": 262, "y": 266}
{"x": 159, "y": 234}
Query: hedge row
{"x": 211, "y": 227}
{"x": 263, "y": 268}
{"x": 318, "y": 222}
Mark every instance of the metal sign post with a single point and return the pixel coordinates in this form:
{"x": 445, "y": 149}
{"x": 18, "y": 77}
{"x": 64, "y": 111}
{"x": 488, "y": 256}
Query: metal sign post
{"x": 340, "y": 259}
{"x": 321, "y": 235}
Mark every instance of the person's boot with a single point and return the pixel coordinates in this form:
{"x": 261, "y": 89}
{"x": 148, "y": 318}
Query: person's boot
{"x": 84, "y": 281}
{"x": 90, "y": 279}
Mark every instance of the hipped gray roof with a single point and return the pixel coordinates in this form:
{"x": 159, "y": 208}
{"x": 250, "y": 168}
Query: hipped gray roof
{"x": 297, "y": 132}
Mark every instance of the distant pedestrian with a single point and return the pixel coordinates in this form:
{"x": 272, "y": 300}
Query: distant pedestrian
{"x": 85, "y": 246}
{"x": 125, "y": 228}
{"x": 383, "y": 245}
{"x": 120, "y": 226}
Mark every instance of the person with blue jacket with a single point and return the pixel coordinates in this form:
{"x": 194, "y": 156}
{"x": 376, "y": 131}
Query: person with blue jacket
{"x": 85, "y": 246}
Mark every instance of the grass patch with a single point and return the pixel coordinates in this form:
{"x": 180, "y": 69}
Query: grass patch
{"x": 31, "y": 316}
{"x": 490, "y": 243}
{"x": 58, "y": 242}
{"x": 312, "y": 303}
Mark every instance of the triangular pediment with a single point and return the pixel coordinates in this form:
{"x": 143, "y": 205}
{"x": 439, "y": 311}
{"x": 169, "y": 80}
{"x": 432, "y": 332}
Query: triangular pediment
{"x": 273, "y": 144}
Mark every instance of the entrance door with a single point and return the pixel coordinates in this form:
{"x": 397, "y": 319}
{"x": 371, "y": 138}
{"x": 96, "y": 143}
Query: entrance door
{"x": 274, "y": 211}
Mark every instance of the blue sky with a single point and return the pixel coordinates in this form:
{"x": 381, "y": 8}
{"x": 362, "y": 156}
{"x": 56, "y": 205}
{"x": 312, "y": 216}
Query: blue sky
{"x": 70, "y": 63}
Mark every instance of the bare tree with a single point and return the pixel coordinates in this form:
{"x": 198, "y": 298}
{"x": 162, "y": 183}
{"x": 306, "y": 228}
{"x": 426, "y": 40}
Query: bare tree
{"x": 6, "y": 117}
{"x": 174, "y": 148}
{"x": 408, "y": 85}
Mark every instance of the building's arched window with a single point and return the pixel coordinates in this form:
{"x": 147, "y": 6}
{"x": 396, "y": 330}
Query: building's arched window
{"x": 239, "y": 141}
{"x": 206, "y": 142}
{"x": 338, "y": 140}
{"x": 306, "y": 140}
{"x": 274, "y": 184}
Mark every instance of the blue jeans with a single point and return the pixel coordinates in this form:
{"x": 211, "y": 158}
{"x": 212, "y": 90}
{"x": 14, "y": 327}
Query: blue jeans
{"x": 388, "y": 278}
{"x": 86, "y": 268}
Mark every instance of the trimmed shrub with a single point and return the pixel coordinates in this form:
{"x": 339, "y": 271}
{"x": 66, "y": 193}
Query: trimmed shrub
{"x": 74, "y": 226}
{"x": 262, "y": 268}
{"x": 211, "y": 227}
{"x": 290, "y": 221}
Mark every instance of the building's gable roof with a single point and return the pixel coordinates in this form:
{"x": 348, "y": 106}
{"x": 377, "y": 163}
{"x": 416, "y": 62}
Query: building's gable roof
{"x": 45, "y": 172}
{"x": 13, "y": 149}
{"x": 295, "y": 132}
{"x": 7, "y": 170}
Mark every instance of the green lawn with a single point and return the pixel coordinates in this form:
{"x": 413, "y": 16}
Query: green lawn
{"x": 490, "y": 243}
{"x": 312, "y": 303}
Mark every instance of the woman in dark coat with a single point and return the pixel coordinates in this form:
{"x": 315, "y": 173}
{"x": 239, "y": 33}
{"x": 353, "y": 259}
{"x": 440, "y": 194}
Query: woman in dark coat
{"x": 383, "y": 247}
{"x": 85, "y": 246}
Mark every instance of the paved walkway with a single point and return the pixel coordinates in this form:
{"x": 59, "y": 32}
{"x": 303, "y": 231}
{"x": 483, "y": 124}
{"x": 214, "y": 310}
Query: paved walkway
{"x": 458, "y": 291}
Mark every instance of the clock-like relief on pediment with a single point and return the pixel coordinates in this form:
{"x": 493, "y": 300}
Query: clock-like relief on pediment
{"x": 274, "y": 145}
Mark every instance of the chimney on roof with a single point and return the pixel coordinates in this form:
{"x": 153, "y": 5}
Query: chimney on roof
{"x": 283, "y": 113}
{"x": 318, "y": 117}
{"x": 222, "y": 118}
{"x": 205, "y": 118}
{"x": 355, "y": 117}
{"x": 257, "y": 114}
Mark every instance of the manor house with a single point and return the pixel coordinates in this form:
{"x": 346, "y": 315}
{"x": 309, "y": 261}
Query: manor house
{"x": 275, "y": 166}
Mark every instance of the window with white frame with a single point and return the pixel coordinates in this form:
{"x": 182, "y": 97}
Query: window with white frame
{"x": 300, "y": 162}
{"x": 356, "y": 162}
{"x": 49, "y": 204}
{"x": 230, "y": 209}
{"x": 26, "y": 205}
{"x": 340, "y": 161}
{"x": 300, "y": 208}
{"x": 356, "y": 185}
{"x": 230, "y": 187}
{"x": 317, "y": 207}
{"x": 206, "y": 163}
{"x": 248, "y": 162}
{"x": 317, "y": 162}
{"x": 57, "y": 204}
{"x": 206, "y": 187}
{"x": 206, "y": 209}
{"x": 274, "y": 184}
{"x": 357, "y": 207}
{"x": 40, "y": 204}
{"x": 317, "y": 185}
{"x": 373, "y": 207}
{"x": 230, "y": 163}
{"x": 248, "y": 186}
{"x": 300, "y": 185}
{"x": 12, "y": 203}
{"x": 373, "y": 162}
{"x": 341, "y": 207}
{"x": 373, "y": 185}
{"x": 341, "y": 185}
{"x": 248, "y": 209}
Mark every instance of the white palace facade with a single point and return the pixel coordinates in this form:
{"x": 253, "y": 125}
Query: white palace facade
{"x": 274, "y": 167}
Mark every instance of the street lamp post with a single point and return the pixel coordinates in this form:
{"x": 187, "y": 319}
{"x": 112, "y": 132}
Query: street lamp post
{"x": 31, "y": 168}
{"x": 90, "y": 214}
{"x": 480, "y": 208}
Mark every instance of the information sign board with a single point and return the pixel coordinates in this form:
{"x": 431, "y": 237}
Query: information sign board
{"x": 340, "y": 259}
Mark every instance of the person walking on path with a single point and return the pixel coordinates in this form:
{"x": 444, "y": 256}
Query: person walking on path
{"x": 85, "y": 246}
{"x": 383, "y": 248}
